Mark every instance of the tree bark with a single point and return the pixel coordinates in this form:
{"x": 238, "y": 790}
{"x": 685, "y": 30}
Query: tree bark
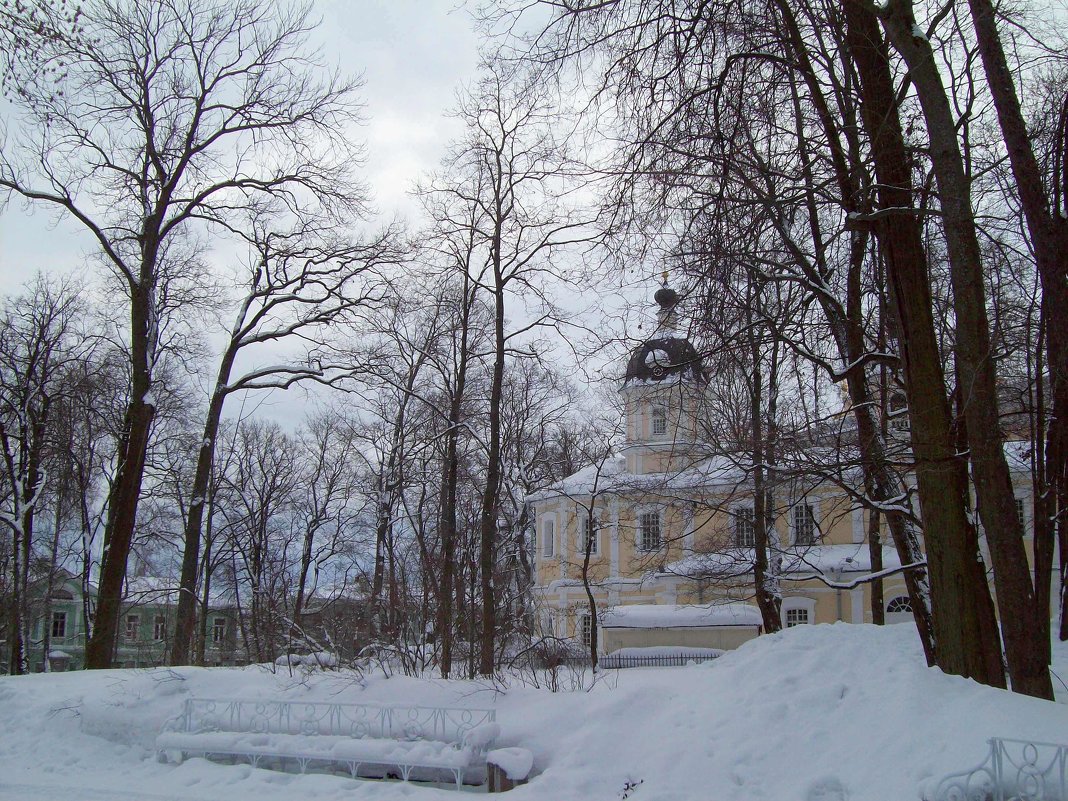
{"x": 1048, "y": 230}
{"x": 963, "y": 622}
{"x": 185, "y": 621}
{"x": 1026, "y": 653}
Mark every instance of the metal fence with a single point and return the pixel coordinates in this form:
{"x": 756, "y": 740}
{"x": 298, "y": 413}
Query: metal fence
{"x": 1014, "y": 770}
{"x": 618, "y": 662}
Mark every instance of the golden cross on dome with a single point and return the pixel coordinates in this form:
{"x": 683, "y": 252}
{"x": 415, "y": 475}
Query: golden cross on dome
{"x": 665, "y": 277}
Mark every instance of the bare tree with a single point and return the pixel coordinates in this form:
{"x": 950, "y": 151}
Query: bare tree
{"x": 169, "y": 119}
{"x": 298, "y": 284}
{"x": 508, "y": 171}
{"x": 38, "y": 342}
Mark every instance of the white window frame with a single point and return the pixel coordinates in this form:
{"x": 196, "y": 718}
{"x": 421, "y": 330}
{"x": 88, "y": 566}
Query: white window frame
{"x": 897, "y": 614}
{"x": 548, "y": 536}
{"x": 640, "y": 540}
{"x": 797, "y": 613}
{"x": 584, "y": 630}
{"x": 895, "y": 601}
{"x": 59, "y": 616}
{"x": 798, "y": 604}
{"x": 133, "y": 627}
{"x": 218, "y": 630}
{"x": 591, "y": 532}
{"x": 738, "y": 520}
{"x": 658, "y": 426}
{"x": 159, "y": 628}
{"x": 1021, "y": 513}
{"x": 813, "y": 521}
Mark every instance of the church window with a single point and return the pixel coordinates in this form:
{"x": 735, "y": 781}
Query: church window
{"x": 585, "y": 630}
{"x": 589, "y": 529}
{"x": 900, "y": 604}
{"x": 804, "y": 524}
{"x": 744, "y": 532}
{"x": 659, "y": 420}
{"x": 649, "y": 536}
{"x": 548, "y": 531}
{"x": 796, "y": 617}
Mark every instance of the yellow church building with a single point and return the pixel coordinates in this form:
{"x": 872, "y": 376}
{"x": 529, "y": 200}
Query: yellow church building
{"x": 669, "y": 529}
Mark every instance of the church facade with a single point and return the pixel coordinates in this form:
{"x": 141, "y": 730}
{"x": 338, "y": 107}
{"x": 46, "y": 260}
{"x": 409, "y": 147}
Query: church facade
{"x": 661, "y": 533}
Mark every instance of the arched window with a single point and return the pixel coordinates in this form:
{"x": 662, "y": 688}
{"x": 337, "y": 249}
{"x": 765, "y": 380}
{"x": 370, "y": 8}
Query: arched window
{"x": 659, "y": 416}
{"x": 899, "y": 604}
{"x": 899, "y": 610}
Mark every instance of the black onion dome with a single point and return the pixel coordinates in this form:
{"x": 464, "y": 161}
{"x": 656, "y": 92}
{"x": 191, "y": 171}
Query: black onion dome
{"x": 667, "y": 298}
{"x": 667, "y": 357}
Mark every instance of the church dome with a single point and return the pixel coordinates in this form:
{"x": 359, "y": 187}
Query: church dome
{"x": 664, "y": 358}
{"x": 665, "y": 355}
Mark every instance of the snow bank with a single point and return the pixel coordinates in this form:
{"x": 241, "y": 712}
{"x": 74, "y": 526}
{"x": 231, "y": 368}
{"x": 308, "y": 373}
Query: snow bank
{"x": 816, "y": 713}
{"x": 323, "y": 659}
{"x": 660, "y": 616}
{"x": 515, "y": 762}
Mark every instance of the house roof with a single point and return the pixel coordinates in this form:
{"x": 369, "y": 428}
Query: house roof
{"x": 680, "y": 616}
{"x": 716, "y": 472}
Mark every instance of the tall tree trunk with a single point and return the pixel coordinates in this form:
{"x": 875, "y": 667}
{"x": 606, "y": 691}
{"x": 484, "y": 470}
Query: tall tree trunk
{"x": 447, "y": 591}
{"x": 1025, "y": 651}
{"x": 185, "y": 621}
{"x": 847, "y": 324}
{"x": 126, "y": 488}
{"x": 487, "y": 662}
{"x": 1048, "y": 230}
{"x": 765, "y": 577}
{"x": 965, "y": 629}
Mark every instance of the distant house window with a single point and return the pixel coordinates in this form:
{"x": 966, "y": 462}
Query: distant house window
{"x": 899, "y": 412}
{"x": 744, "y": 532}
{"x": 649, "y": 538}
{"x": 585, "y": 630}
{"x": 796, "y": 617}
{"x": 1020, "y": 514}
{"x": 659, "y": 420}
{"x": 59, "y": 624}
{"x": 900, "y": 604}
{"x": 218, "y": 630}
{"x": 804, "y": 524}
{"x": 159, "y": 628}
{"x": 589, "y": 541}
{"x": 133, "y": 624}
{"x": 548, "y": 532}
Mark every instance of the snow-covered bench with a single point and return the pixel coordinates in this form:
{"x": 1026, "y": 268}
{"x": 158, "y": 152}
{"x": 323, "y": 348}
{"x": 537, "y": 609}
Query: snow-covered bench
{"x": 426, "y": 743}
{"x": 1014, "y": 770}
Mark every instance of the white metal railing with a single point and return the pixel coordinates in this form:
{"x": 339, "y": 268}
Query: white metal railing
{"x": 1014, "y": 770}
{"x": 382, "y": 721}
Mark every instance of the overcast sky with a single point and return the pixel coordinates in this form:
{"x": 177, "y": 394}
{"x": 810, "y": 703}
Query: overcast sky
{"x": 413, "y": 55}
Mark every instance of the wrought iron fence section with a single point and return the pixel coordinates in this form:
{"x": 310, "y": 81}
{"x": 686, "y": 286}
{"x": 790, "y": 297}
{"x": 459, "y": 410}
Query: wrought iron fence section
{"x": 383, "y": 721}
{"x": 1013, "y": 770}
{"x": 611, "y": 662}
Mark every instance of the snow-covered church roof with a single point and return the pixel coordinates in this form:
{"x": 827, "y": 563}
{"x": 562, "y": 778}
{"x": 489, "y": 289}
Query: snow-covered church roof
{"x": 677, "y": 616}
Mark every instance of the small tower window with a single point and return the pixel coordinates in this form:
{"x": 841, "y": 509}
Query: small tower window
{"x": 659, "y": 420}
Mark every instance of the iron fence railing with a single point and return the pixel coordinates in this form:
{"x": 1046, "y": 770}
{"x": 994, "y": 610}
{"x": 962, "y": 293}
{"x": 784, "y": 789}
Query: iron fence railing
{"x": 1014, "y": 770}
{"x": 617, "y": 662}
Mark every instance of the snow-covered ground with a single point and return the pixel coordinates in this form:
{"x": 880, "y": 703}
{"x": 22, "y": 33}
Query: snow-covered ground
{"x": 816, "y": 713}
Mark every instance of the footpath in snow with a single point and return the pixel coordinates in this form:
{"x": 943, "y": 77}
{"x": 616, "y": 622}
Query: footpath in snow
{"x": 816, "y": 713}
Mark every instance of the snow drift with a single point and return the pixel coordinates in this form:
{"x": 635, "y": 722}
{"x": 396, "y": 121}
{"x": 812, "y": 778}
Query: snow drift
{"x": 816, "y": 713}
